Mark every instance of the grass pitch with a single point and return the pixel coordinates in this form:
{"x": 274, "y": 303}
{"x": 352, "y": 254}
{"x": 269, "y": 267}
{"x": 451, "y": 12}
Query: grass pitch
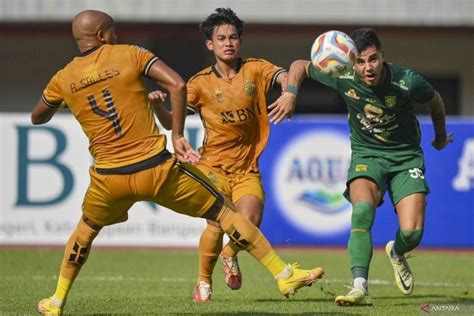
{"x": 154, "y": 281}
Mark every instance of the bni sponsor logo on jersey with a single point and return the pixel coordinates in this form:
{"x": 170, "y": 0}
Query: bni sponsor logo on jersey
{"x": 309, "y": 179}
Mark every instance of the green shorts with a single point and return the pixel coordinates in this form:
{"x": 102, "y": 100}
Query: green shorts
{"x": 400, "y": 177}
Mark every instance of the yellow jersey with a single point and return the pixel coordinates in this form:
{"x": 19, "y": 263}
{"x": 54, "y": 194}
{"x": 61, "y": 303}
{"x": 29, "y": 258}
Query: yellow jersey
{"x": 234, "y": 114}
{"x": 104, "y": 90}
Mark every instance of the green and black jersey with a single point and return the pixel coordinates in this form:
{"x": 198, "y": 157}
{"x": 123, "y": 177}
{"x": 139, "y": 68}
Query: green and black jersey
{"x": 382, "y": 118}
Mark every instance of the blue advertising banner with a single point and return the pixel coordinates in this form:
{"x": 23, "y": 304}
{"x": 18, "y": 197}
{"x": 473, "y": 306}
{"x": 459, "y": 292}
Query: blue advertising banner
{"x": 304, "y": 172}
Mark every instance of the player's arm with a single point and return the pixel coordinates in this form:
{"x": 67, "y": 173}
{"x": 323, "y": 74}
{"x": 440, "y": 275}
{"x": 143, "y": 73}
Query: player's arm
{"x": 172, "y": 81}
{"x": 43, "y": 112}
{"x": 282, "y": 80}
{"x": 438, "y": 117}
{"x": 284, "y": 106}
{"x": 157, "y": 100}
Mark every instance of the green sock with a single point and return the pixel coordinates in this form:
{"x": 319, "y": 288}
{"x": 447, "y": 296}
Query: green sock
{"x": 407, "y": 240}
{"x": 360, "y": 242}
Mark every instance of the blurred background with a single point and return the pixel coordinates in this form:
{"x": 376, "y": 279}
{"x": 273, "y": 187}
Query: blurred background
{"x": 44, "y": 169}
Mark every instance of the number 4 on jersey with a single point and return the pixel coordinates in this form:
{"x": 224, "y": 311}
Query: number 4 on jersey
{"x": 110, "y": 114}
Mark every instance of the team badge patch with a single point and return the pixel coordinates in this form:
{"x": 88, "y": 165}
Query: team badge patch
{"x": 352, "y": 94}
{"x": 390, "y": 101}
{"x": 250, "y": 88}
{"x": 218, "y": 95}
{"x": 361, "y": 168}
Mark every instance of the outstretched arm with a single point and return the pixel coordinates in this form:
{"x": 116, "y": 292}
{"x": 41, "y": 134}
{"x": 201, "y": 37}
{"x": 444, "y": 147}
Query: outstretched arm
{"x": 284, "y": 106}
{"x": 172, "y": 81}
{"x": 438, "y": 116}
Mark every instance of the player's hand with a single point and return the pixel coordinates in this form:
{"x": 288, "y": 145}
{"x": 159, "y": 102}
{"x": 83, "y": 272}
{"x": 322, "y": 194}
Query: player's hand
{"x": 440, "y": 143}
{"x": 282, "y": 108}
{"x": 157, "y": 97}
{"x": 183, "y": 150}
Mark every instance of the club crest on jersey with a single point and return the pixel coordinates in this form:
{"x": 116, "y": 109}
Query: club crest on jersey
{"x": 218, "y": 95}
{"x": 390, "y": 101}
{"x": 352, "y": 94}
{"x": 250, "y": 88}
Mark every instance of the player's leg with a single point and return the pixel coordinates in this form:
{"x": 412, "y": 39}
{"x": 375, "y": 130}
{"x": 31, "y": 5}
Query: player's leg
{"x": 408, "y": 192}
{"x": 96, "y": 214}
{"x": 210, "y": 245}
{"x": 210, "y": 242}
{"x": 75, "y": 255}
{"x": 187, "y": 190}
{"x": 248, "y": 197}
{"x": 365, "y": 196}
{"x": 365, "y": 189}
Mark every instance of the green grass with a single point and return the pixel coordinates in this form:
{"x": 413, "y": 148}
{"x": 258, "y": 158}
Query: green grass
{"x": 161, "y": 281}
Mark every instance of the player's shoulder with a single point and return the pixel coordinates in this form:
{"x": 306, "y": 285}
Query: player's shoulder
{"x": 202, "y": 74}
{"x": 402, "y": 77}
{"x": 253, "y": 62}
{"x": 349, "y": 75}
{"x": 250, "y": 60}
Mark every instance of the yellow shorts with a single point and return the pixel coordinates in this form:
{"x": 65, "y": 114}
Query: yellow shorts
{"x": 178, "y": 186}
{"x": 235, "y": 186}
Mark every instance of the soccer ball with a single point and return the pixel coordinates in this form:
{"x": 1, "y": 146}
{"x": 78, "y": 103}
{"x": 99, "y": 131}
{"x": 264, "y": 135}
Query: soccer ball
{"x": 333, "y": 53}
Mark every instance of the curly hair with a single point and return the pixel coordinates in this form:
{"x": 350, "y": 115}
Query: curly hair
{"x": 219, "y": 17}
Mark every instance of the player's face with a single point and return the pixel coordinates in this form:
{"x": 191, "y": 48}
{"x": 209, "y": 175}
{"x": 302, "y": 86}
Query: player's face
{"x": 225, "y": 43}
{"x": 369, "y": 66}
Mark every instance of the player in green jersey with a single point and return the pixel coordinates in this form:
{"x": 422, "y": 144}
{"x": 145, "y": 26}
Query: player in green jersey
{"x": 386, "y": 152}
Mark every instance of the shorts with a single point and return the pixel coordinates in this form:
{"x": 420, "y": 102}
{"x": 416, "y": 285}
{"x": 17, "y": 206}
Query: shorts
{"x": 399, "y": 177}
{"x": 178, "y": 186}
{"x": 235, "y": 186}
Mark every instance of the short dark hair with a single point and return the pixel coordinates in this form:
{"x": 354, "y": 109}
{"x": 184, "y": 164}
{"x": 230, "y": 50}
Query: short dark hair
{"x": 219, "y": 17}
{"x": 364, "y": 38}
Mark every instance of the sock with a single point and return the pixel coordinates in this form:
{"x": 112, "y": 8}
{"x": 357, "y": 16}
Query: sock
{"x": 210, "y": 246}
{"x": 360, "y": 272}
{"x": 230, "y": 249}
{"x": 75, "y": 255}
{"x": 360, "y": 241}
{"x": 361, "y": 283}
{"x": 407, "y": 240}
{"x": 247, "y": 236}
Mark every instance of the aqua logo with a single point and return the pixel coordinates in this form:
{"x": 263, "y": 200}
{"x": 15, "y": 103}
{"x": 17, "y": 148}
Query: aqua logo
{"x": 309, "y": 179}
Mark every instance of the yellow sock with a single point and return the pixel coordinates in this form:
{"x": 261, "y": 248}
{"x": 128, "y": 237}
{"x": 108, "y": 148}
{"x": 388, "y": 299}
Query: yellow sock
{"x": 75, "y": 255}
{"x": 210, "y": 246}
{"x": 247, "y": 236}
{"x": 62, "y": 288}
{"x": 273, "y": 263}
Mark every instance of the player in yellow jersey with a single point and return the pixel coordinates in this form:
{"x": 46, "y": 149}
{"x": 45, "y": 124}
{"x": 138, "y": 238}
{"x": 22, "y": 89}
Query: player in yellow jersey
{"x": 104, "y": 90}
{"x": 230, "y": 97}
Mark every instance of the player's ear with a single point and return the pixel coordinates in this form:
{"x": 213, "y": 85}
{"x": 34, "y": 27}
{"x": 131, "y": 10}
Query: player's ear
{"x": 101, "y": 36}
{"x": 209, "y": 45}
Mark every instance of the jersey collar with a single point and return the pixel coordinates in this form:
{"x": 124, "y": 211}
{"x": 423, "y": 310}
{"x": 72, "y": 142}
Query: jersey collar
{"x": 237, "y": 68}
{"x": 89, "y": 51}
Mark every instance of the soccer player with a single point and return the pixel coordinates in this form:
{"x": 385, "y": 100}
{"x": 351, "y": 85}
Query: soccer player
{"x": 230, "y": 97}
{"x": 104, "y": 89}
{"x": 386, "y": 153}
